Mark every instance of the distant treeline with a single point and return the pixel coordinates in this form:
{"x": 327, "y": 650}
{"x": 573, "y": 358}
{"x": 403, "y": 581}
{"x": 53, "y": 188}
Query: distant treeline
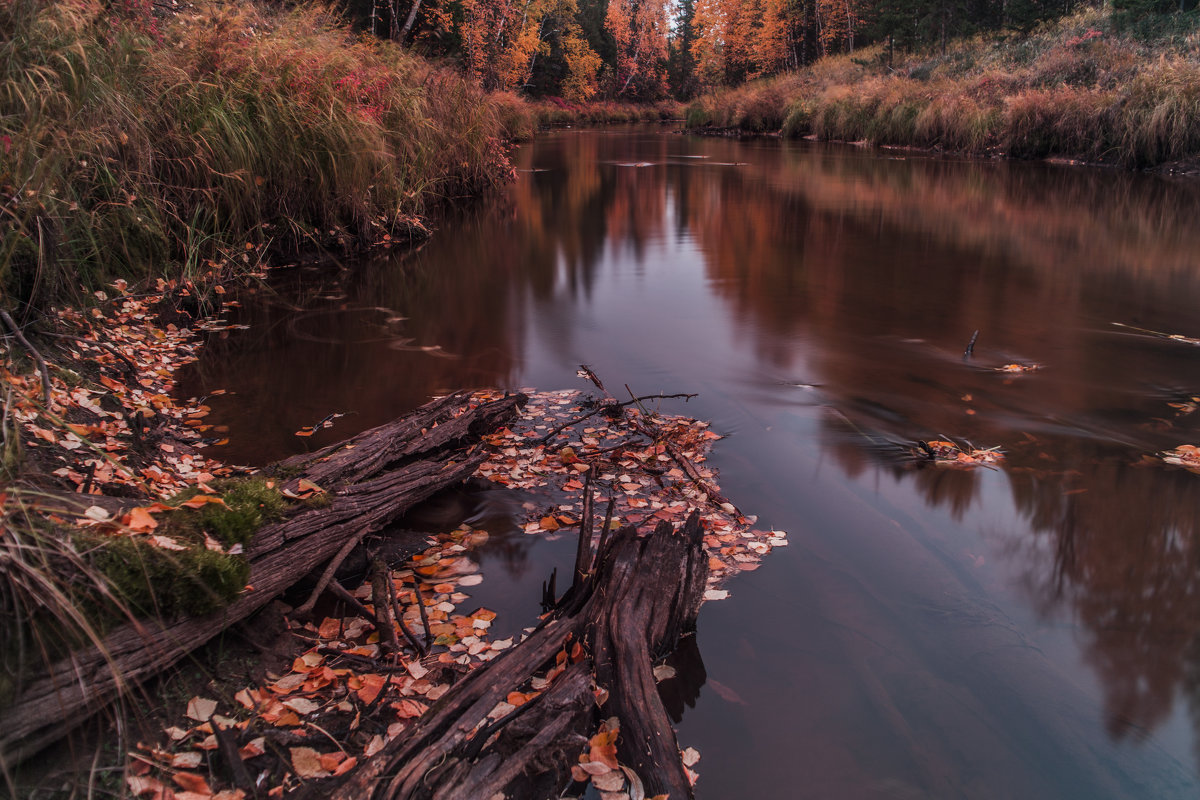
{"x": 648, "y": 49}
{"x": 1098, "y": 85}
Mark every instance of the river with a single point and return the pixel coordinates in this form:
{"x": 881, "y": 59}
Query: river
{"x": 1029, "y": 631}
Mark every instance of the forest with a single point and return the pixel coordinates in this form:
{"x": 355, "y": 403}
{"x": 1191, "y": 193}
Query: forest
{"x": 649, "y": 49}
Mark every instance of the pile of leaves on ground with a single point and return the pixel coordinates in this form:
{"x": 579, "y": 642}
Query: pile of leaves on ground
{"x": 110, "y": 511}
{"x": 354, "y": 686}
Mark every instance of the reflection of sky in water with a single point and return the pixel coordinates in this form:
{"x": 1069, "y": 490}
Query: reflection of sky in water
{"x": 1026, "y": 632}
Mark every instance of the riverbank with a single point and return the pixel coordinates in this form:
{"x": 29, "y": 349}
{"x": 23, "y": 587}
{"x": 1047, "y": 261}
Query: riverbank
{"x": 105, "y": 427}
{"x": 137, "y": 144}
{"x": 1091, "y": 87}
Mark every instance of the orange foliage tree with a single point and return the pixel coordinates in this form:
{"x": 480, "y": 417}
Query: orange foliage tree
{"x": 501, "y": 41}
{"x": 639, "y": 31}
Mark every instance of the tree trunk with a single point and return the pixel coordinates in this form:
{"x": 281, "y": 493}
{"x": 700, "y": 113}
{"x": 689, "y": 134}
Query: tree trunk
{"x": 632, "y": 609}
{"x": 408, "y": 23}
{"x": 372, "y": 478}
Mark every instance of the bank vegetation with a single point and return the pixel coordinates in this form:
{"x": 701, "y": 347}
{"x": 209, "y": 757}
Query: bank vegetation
{"x": 1095, "y": 86}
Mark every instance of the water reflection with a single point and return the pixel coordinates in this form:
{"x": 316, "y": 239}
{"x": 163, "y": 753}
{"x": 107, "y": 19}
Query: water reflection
{"x": 821, "y": 299}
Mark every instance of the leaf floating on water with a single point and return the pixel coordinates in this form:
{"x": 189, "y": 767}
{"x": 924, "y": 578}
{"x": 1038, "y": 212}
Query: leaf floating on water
{"x": 948, "y": 453}
{"x": 1185, "y": 455}
{"x": 1019, "y": 368}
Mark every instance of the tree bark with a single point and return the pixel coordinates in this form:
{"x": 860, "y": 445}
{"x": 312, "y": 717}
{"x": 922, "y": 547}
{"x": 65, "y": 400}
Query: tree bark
{"x": 373, "y": 478}
{"x": 633, "y": 608}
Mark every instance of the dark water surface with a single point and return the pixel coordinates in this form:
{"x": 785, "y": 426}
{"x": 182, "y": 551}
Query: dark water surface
{"x": 1031, "y": 631}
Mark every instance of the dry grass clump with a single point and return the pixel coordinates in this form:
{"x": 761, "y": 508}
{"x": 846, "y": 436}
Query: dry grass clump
{"x": 1084, "y": 87}
{"x": 125, "y": 145}
{"x": 557, "y": 111}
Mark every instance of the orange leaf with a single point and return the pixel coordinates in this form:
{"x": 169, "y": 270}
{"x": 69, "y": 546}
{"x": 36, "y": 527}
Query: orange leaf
{"x": 604, "y": 755}
{"x": 201, "y": 500}
{"x": 191, "y": 782}
{"x": 139, "y": 519}
{"x": 253, "y": 748}
{"x": 407, "y": 709}
{"x": 287, "y": 720}
{"x": 372, "y": 685}
{"x": 345, "y": 766}
{"x": 330, "y": 761}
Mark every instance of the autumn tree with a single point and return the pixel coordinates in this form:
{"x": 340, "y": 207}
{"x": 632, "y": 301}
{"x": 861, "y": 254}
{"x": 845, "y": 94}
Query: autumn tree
{"x": 639, "y": 32}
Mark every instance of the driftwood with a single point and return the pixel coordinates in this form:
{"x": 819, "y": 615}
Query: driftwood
{"x": 643, "y": 595}
{"x": 372, "y": 478}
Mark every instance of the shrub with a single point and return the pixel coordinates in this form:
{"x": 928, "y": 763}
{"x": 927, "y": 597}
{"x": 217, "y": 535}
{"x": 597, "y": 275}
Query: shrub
{"x": 126, "y": 151}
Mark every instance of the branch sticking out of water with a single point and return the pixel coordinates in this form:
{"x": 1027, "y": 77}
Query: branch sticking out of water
{"x": 970, "y": 351}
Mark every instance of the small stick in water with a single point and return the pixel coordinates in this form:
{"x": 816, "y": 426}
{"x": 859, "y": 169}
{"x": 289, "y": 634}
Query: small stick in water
{"x": 970, "y": 351}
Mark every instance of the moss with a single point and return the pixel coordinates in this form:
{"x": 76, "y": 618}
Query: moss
{"x": 249, "y": 503}
{"x": 154, "y": 581}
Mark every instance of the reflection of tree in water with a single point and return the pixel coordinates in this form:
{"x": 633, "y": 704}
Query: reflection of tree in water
{"x": 1126, "y": 557}
{"x": 885, "y": 268}
{"x": 1116, "y": 543}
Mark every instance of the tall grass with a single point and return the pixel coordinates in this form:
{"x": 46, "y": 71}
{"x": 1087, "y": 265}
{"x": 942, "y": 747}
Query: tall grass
{"x": 556, "y": 111}
{"x": 125, "y": 146}
{"x": 1088, "y": 86}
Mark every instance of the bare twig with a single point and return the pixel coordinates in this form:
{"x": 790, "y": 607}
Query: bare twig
{"x": 970, "y": 351}
{"x": 612, "y": 502}
{"x": 329, "y": 572}
{"x": 227, "y": 742}
{"x": 611, "y": 406}
{"x": 594, "y": 378}
{"x": 34, "y": 354}
{"x": 685, "y": 464}
{"x": 424, "y": 613}
{"x": 381, "y": 599}
{"x": 583, "y": 552}
{"x": 340, "y": 593}
{"x": 408, "y": 634}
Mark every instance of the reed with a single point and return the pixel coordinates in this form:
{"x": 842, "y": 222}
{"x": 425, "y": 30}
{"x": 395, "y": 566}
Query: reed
{"x": 128, "y": 145}
{"x": 1088, "y": 86}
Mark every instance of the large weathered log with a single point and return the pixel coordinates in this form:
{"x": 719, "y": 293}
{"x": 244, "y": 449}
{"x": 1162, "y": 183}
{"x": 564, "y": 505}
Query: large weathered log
{"x": 632, "y": 609}
{"x": 373, "y": 478}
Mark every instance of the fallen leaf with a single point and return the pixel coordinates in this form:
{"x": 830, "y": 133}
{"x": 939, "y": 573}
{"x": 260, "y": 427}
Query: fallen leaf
{"x": 301, "y": 705}
{"x": 612, "y": 781}
{"x": 191, "y": 782}
{"x": 306, "y": 763}
{"x": 201, "y": 500}
{"x": 139, "y": 519}
{"x": 201, "y": 709}
{"x": 253, "y": 748}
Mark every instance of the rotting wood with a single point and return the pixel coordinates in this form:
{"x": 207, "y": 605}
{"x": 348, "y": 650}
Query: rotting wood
{"x": 642, "y": 595}
{"x": 373, "y": 478}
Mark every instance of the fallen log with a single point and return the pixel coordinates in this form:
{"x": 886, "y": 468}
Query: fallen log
{"x": 632, "y": 608}
{"x": 372, "y": 479}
